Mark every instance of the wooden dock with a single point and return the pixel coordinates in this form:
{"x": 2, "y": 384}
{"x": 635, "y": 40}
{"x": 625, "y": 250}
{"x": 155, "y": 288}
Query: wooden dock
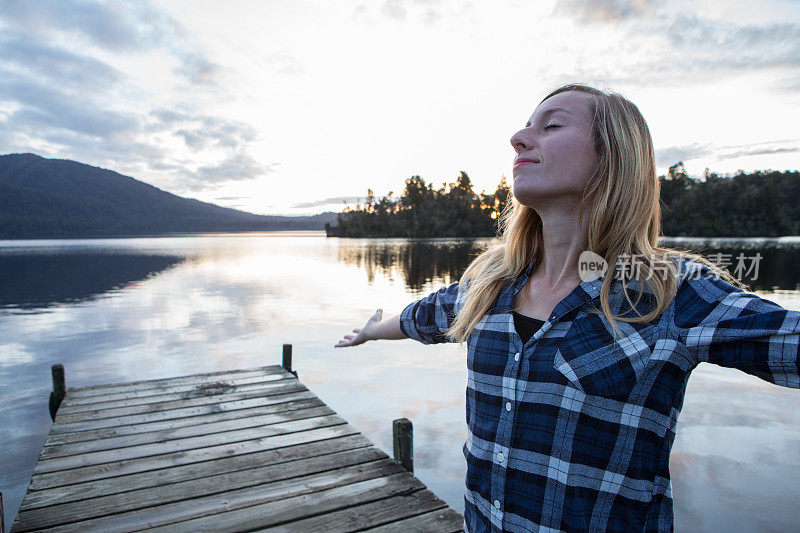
{"x": 238, "y": 450}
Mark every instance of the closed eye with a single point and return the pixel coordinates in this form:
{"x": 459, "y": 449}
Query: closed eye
{"x": 552, "y": 126}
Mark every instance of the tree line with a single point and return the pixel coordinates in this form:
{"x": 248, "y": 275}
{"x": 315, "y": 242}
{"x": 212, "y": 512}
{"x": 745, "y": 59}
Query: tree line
{"x": 756, "y": 204}
{"x": 452, "y": 210}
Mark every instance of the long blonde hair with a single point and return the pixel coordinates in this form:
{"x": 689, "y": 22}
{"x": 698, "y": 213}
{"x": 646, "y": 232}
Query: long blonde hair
{"x": 623, "y": 199}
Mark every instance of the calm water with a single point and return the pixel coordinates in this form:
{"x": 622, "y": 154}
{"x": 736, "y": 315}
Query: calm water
{"x": 117, "y": 310}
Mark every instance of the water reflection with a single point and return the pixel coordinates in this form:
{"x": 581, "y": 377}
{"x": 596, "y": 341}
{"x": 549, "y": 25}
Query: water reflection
{"x": 777, "y": 265}
{"x": 33, "y": 281}
{"x": 426, "y": 262}
{"x": 128, "y": 309}
{"x": 420, "y": 263}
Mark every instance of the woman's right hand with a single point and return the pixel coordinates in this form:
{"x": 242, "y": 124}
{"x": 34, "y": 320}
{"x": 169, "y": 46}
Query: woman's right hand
{"x": 361, "y": 335}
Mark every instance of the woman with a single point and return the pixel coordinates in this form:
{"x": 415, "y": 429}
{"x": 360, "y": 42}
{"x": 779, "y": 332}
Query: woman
{"x": 575, "y": 382}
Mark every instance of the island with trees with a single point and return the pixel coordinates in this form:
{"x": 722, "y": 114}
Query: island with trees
{"x": 755, "y": 204}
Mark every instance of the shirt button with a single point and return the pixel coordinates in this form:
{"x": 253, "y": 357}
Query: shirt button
{"x": 500, "y": 457}
{"x": 508, "y": 406}
{"x": 497, "y": 504}
{"x": 516, "y": 356}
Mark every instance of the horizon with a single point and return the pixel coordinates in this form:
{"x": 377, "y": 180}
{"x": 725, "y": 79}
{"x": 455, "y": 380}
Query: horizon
{"x": 297, "y": 108}
{"x": 359, "y": 200}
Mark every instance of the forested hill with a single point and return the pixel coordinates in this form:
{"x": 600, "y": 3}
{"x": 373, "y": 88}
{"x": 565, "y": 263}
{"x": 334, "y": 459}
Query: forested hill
{"x": 60, "y": 198}
{"x": 757, "y": 204}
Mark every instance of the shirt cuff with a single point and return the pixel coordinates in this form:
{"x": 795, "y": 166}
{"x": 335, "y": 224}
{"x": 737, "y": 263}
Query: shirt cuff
{"x": 408, "y": 327}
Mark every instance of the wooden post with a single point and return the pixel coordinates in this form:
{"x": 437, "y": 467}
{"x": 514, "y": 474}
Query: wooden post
{"x": 59, "y": 389}
{"x": 287, "y": 359}
{"x": 2, "y": 522}
{"x": 403, "y": 434}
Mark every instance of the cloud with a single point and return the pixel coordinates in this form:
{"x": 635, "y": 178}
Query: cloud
{"x": 198, "y": 69}
{"x": 394, "y": 9}
{"x": 336, "y": 200}
{"x": 47, "y": 107}
{"x": 283, "y": 62}
{"x": 673, "y": 154}
{"x": 64, "y": 93}
{"x": 116, "y": 27}
{"x": 234, "y": 168}
{"x": 674, "y": 49}
{"x": 56, "y": 64}
{"x": 604, "y": 11}
{"x": 429, "y": 11}
{"x": 718, "y": 44}
{"x": 760, "y": 151}
{"x": 204, "y": 132}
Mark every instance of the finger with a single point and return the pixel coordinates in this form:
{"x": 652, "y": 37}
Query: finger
{"x": 356, "y": 330}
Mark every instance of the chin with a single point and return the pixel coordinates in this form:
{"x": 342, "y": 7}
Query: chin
{"x": 530, "y": 196}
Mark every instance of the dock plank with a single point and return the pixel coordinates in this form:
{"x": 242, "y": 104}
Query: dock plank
{"x": 317, "y": 450}
{"x": 225, "y": 451}
{"x": 302, "y": 400}
{"x": 207, "y": 388}
{"x": 297, "y": 507}
{"x": 179, "y": 445}
{"x": 223, "y": 406}
{"x": 381, "y": 512}
{"x": 280, "y": 387}
{"x": 181, "y": 380}
{"x": 54, "y": 479}
{"x": 444, "y": 520}
{"x": 155, "y": 437}
{"x": 291, "y": 478}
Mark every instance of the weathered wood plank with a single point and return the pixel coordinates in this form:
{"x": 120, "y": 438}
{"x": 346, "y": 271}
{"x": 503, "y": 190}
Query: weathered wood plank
{"x": 213, "y": 389}
{"x": 72, "y": 401}
{"x": 444, "y": 520}
{"x": 280, "y": 387}
{"x": 228, "y": 462}
{"x": 172, "y": 415}
{"x": 147, "y": 427}
{"x": 120, "y": 468}
{"x": 212, "y": 428}
{"x": 219, "y": 512}
{"x": 354, "y": 463}
{"x": 178, "y": 445}
{"x": 181, "y": 380}
{"x": 366, "y": 515}
{"x": 223, "y": 451}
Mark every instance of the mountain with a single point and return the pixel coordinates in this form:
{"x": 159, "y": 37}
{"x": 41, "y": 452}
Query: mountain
{"x": 42, "y": 197}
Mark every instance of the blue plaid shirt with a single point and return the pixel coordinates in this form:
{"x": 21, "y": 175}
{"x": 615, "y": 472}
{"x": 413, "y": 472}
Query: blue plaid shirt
{"x": 572, "y": 431}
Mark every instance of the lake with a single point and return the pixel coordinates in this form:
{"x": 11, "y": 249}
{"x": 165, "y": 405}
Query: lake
{"x": 115, "y": 310}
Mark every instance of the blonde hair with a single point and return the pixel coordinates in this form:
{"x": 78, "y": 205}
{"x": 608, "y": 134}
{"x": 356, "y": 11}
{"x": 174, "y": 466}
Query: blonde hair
{"x": 623, "y": 199}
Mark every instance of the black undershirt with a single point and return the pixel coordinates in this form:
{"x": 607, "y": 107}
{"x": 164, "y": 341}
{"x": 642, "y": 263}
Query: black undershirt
{"x": 526, "y": 326}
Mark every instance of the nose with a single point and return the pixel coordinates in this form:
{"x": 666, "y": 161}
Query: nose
{"x": 521, "y": 141}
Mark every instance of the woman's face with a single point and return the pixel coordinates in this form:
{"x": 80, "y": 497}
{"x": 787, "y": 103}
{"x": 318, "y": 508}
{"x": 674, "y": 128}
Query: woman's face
{"x": 555, "y": 152}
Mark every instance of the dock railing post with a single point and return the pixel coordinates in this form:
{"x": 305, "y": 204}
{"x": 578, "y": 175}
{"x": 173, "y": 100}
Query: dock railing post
{"x": 287, "y": 359}
{"x": 2, "y": 521}
{"x": 59, "y": 389}
{"x": 403, "y": 436}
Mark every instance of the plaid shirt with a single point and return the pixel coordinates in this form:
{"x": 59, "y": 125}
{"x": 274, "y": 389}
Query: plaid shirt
{"x": 572, "y": 431}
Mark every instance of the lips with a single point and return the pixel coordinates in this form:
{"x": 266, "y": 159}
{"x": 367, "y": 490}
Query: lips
{"x": 524, "y": 161}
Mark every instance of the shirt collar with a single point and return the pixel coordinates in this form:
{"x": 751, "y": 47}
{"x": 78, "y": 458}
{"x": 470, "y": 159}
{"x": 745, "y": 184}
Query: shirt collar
{"x": 584, "y": 293}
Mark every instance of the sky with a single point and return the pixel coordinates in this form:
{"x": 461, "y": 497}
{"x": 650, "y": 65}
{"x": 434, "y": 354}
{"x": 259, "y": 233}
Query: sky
{"x": 298, "y": 107}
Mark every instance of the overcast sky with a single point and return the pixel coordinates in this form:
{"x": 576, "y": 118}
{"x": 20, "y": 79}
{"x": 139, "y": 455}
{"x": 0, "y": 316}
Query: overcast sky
{"x": 291, "y": 107}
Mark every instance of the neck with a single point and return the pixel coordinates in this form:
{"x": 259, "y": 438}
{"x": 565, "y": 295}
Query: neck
{"x": 563, "y": 242}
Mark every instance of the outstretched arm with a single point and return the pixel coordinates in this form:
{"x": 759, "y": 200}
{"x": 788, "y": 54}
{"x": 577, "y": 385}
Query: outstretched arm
{"x": 373, "y": 330}
{"x": 726, "y": 326}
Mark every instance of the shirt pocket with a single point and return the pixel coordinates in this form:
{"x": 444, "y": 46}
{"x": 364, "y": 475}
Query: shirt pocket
{"x": 597, "y": 364}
